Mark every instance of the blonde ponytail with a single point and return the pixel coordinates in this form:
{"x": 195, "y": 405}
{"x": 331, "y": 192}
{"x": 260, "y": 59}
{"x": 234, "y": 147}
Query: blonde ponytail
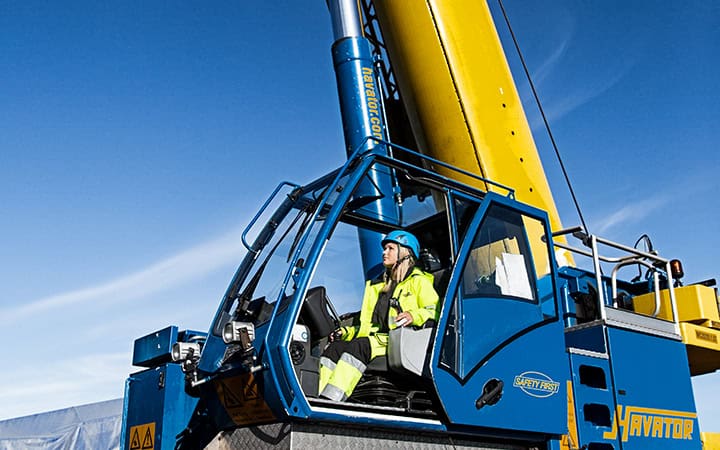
{"x": 399, "y": 271}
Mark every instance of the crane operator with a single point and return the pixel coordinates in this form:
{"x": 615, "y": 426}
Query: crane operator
{"x": 403, "y": 296}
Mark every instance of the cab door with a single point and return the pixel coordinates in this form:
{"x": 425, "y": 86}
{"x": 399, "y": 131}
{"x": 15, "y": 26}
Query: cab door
{"x": 498, "y": 358}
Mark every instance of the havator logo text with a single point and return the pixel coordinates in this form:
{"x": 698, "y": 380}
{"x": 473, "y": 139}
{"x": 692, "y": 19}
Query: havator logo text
{"x": 536, "y": 384}
{"x": 652, "y": 423}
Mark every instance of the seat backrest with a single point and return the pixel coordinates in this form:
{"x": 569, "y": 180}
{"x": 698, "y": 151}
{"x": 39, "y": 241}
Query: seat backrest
{"x": 430, "y": 263}
{"x": 586, "y": 305}
{"x": 408, "y": 349}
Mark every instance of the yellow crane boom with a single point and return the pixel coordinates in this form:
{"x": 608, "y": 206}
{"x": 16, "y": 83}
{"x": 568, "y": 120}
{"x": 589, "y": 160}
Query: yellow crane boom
{"x": 458, "y": 90}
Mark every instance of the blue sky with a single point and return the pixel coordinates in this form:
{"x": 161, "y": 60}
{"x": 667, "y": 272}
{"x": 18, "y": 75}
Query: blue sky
{"x": 137, "y": 139}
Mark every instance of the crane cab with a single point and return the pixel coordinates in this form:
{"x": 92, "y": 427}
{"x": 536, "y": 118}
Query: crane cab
{"x": 521, "y": 350}
{"x": 494, "y": 359}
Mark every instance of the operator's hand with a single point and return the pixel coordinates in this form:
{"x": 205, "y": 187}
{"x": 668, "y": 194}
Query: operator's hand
{"x": 336, "y": 335}
{"x": 404, "y": 319}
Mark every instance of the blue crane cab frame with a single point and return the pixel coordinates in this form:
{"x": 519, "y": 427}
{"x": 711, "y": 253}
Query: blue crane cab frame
{"x": 484, "y": 339}
{"x": 509, "y": 361}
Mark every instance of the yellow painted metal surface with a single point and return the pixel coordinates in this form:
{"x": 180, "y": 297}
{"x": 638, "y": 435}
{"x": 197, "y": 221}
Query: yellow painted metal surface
{"x": 703, "y": 347}
{"x": 701, "y": 336}
{"x": 695, "y": 303}
{"x": 699, "y": 323}
{"x": 710, "y": 441}
{"x": 570, "y": 441}
{"x": 460, "y": 95}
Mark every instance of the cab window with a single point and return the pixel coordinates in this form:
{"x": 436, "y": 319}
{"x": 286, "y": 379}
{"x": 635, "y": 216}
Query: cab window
{"x": 500, "y": 263}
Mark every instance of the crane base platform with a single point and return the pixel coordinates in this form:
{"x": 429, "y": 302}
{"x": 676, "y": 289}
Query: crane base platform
{"x": 304, "y": 435}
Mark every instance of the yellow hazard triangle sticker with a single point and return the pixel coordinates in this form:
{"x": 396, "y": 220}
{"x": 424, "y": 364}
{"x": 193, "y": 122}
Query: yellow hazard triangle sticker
{"x": 142, "y": 437}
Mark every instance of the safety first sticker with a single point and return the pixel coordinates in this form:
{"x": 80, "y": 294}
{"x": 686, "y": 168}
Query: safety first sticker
{"x": 142, "y": 437}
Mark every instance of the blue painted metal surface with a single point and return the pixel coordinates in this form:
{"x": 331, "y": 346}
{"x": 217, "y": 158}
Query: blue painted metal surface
{"x": 360, "y": 103}
{"x": 594, "y": 398}
{"x": 655, "y": 406}
{"x": 362, "y": 113}
{"x": 637, "y": 395}
{"x": 157, "y": 408}
{"x": 505, "y": 340}
{"x": 631, "y": 386}
{"x": 284, "y": 383}
{"x": 591, "y": 338}
{"x": 155, "y": 348}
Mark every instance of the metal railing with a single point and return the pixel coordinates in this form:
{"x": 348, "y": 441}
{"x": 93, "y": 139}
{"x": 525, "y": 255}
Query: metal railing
{"x": 655, "y": 265}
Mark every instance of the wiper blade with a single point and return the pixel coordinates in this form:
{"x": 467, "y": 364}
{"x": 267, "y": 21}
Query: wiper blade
{"x": 309, "y": 212}
{"x": 247, "y": 294}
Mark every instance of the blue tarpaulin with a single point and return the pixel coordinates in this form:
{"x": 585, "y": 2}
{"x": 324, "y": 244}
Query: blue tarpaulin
{"x": 95, "y": 426}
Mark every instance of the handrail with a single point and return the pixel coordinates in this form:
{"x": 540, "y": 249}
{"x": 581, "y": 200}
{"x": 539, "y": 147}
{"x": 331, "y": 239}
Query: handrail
{"x": 360, "y": 147}
{"x": 634, "y": 256}
{"x": 260, "y": 212}
{"x": 656, "y": 282}
{"x": 582, "y": 252}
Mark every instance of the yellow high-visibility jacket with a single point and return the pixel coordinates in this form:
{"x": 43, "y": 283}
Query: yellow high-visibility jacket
{"x": 415, "y": 294}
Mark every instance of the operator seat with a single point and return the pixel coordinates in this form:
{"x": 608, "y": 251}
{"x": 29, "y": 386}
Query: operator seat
{"x": 409, "y": 347}
{"x": 431, "y": 264}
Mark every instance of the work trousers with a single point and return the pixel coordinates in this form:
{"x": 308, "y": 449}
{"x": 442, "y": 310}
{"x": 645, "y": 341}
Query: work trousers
{"x": 343, "y": 363}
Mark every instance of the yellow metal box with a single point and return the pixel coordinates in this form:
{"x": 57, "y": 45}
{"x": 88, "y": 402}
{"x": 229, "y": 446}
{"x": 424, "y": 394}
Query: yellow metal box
{"x": 695, "y": 303}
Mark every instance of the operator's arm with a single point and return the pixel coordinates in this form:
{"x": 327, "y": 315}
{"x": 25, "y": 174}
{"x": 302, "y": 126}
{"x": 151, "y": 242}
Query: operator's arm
{"x": 426, "y": 298}
{"x": 372, "y": 289}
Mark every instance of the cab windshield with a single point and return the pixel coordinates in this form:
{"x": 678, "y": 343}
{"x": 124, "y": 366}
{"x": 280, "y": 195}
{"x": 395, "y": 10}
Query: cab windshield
{"x": 419, "y": 205}
{"x": 262, "y": 273}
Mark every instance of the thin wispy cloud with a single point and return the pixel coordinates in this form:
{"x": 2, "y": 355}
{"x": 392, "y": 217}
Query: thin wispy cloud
{"x": 694, "y": 184}
{"x": 580, "y": 95}
{"x": 180, "y": 268}
{"x": 573, "y": 95}
{"x": 548, "y": 65}
{"x": 632, "y": 212}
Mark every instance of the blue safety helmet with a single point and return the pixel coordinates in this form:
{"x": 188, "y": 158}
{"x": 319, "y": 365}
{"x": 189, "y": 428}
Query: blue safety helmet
{"x": 405, "y": 239}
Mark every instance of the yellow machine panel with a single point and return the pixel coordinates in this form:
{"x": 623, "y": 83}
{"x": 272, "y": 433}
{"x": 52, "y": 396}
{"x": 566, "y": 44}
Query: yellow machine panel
{"x": 710, "y": 441}
{"x": 703, "y": 348}
{"x": 699, "y": 323}
{"x": 695, "y": 303}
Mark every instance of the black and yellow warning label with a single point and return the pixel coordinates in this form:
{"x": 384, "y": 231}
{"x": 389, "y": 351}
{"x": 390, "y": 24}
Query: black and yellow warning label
{"x": 142, "y": 437}
{"x": 242, "y": 400}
